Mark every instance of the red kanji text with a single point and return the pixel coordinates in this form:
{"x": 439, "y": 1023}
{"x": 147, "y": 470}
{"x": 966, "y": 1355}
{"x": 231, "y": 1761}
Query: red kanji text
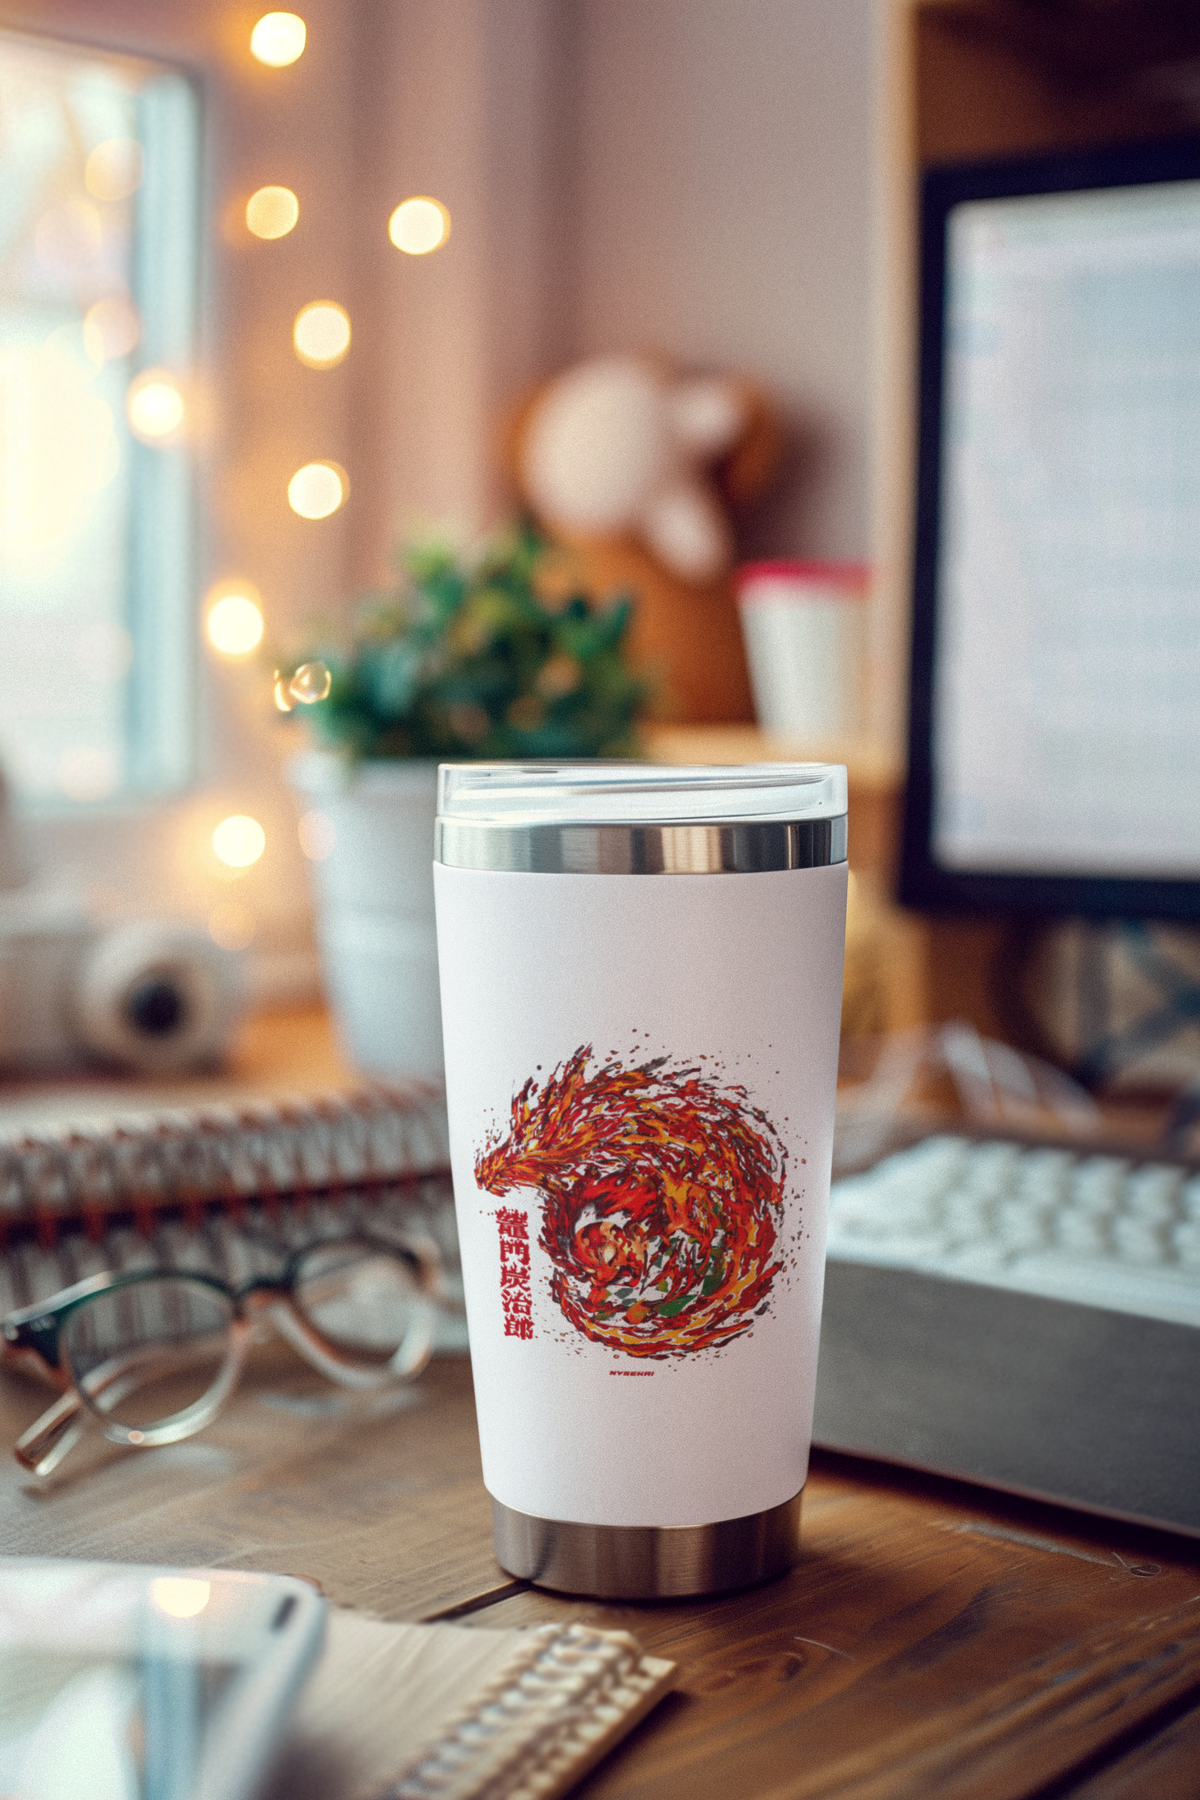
{"x": 515, "y": 1297}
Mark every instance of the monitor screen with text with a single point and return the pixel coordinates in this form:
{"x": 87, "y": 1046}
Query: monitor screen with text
{"x": 1064, "y": 679}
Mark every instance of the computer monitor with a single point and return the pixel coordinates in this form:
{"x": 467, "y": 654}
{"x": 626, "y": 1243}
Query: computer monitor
{"x": 1055, "y": 691}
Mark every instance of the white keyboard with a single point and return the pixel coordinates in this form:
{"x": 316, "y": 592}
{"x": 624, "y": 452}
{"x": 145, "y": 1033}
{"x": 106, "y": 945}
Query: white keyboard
{"x": 1098, "y": 1230}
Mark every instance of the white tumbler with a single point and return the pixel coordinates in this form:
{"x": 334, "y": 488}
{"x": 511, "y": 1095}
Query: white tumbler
{"x": 641, "y": 971}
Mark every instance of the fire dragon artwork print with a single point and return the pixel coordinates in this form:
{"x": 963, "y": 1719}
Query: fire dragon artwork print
{"x": 662, "y": 1200}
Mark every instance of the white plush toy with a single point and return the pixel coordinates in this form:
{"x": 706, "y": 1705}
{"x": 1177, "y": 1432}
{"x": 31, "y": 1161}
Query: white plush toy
{"x": 618, "y": 445}
{"x": 632, "y": 463}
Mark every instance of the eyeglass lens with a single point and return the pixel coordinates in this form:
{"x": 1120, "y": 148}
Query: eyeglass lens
{"x": 358, "y": 1297}
{"x": 150, "y": 1350}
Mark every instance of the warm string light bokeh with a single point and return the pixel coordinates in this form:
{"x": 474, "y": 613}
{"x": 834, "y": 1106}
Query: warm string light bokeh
{"x": 233, "y": 612}
{"x": 321, "y": 337}
{"x": 233, "y": 620}
{"x": 155, "y": 406}
{"x": 321, "y": 334}
{"x": 271, "y": 212}
{"x": 419, "y": 225}
{"x": 63, "y": 438}
{"x": 239, "y": 841}
{"x": 318, "y": 489}
{"x": 278, "y": 39}
{"x": 102, "y": 402}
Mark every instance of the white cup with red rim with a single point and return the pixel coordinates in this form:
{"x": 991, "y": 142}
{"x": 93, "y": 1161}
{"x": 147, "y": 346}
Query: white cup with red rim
{"x": 804, "y": 628}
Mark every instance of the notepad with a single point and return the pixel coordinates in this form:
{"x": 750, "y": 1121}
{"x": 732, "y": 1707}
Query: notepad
{"x": 414, "y": 1712}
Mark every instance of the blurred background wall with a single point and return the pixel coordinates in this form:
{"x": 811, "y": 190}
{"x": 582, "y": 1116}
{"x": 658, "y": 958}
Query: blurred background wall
{"x": 722, "y": 210}
{"x": 689, "y": 176}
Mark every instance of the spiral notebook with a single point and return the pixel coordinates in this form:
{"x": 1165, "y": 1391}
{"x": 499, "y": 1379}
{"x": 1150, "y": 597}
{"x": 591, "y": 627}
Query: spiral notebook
{"x": 224, "y": 1189}
{"x": 439, "y": 1712}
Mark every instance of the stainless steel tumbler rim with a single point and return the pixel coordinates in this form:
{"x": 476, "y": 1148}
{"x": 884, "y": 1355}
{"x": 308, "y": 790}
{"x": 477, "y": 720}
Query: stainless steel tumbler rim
{"x": 648, "y": 1562}
{"x": 750, "y": 847}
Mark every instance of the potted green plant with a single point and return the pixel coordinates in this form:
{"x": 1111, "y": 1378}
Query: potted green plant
{"x": 491, "y": 657}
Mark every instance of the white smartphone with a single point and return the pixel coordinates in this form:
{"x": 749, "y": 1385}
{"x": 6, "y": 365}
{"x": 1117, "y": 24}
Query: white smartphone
{"x": 120, "y": 1682}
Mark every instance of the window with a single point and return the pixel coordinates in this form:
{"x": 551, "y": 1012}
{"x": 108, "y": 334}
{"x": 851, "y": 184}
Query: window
{"x": 98, "y": 234}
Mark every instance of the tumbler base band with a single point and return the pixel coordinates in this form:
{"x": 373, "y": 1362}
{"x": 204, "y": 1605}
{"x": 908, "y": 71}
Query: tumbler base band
{"x": 648, "y": 1562}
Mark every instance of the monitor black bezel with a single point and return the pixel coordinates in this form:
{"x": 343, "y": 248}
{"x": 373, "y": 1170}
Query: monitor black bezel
{"x": 924, "y": 883}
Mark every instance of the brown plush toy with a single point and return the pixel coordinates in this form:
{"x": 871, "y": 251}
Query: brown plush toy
{"x": 632, "y": 466}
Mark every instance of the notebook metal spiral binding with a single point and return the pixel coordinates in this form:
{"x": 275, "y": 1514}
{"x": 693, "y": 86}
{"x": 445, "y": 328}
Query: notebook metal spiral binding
{"x": 222, "y": 1189}
{"x": 535, "y": 1728}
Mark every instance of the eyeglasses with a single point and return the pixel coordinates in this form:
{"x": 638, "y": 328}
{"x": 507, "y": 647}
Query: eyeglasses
{"x": 152, "y": 1356}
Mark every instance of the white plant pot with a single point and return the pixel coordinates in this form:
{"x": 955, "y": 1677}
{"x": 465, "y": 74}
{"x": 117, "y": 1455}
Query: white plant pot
{"x": 373, "y": 890}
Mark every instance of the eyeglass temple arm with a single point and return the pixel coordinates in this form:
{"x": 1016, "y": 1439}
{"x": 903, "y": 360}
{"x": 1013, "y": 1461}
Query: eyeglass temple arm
{"x": 43, "y": 1446}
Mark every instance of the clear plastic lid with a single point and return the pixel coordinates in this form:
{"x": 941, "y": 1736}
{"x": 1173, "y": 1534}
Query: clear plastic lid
{"x": 629, "y": 793}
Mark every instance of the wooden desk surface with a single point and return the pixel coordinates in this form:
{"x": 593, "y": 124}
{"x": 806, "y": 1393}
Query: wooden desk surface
{"x": 935, "y": 1640}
